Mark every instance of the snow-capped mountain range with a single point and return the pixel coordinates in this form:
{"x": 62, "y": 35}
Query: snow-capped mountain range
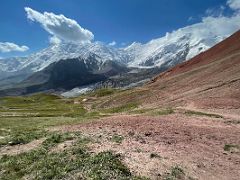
{"x": 169, "y": 50}
{"x": 40, "y": 60}
{"x": 175, "y": 47}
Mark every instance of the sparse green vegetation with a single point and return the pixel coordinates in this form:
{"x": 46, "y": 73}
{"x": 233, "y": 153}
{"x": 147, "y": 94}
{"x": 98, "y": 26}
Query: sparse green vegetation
{"x": 103, "y": 92}
{"x": 175, "y": 173}
{"x": 75, "y": 162}
{"x": 40, "y": 105}
{"x": 24, "y": 130}
{"x": 198, "y": 113}
{"x": 122, "y": 108}
{"x": 21, "y": 137}
{"x": 230, "y": 147}
{"x": 162, "y": 112}
{"x": 153, "y": 111}
{"x": 141, "y": 111}
{"x": 117, "y": 138}
{"x": 54, "y": 138}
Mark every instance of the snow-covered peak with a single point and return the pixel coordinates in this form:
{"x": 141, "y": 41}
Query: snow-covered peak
{"x": 133, "y": 46}
{"x": 44, "y": 58}
{"x": 173, "y": 48}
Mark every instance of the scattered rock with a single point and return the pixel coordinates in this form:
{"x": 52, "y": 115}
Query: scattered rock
{"x": 76, "y": 102}
{"x": 131, "y": 133}
{"x": 147, "y": 134}
{"x": 84, "y": 100}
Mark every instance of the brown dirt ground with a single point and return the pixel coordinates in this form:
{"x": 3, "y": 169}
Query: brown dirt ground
{"x": 194, "y": 143}
{"x": 21, "y": 148}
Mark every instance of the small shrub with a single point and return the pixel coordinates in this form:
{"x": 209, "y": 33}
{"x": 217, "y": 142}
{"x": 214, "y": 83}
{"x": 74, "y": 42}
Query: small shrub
{"x": 138, "y": 150}
{"x": 175, "y": 173}
{"x": 228, "y": 147}
{"x": 107, "y": 165}
{"x": 154, "y": 155}
{"x": 117, "y": 138}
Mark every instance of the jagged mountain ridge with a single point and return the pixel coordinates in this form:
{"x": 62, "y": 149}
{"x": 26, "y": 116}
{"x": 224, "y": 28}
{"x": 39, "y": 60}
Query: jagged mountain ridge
{"x": 167, "y": 51}
{"x": 67, "y": 74}
{"x": 74, "y": 72}
{"x": 172, "y": 49}
{"x": 40, "y": 60}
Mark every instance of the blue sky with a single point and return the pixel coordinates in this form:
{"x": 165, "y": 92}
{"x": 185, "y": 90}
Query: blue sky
{"x": 122, "y": 21}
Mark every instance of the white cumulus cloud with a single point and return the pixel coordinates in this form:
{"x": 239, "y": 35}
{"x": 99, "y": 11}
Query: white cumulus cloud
{"x": 234, "y": 4}
{"x": 9, "y": 47}
{"x": 215, "y": 23}
{"x": 60, "y": 27}
{"x": 112, "y": 43}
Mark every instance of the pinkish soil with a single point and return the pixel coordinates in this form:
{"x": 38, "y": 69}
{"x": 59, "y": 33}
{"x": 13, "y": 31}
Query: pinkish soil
{"x": 195, "y": 143}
